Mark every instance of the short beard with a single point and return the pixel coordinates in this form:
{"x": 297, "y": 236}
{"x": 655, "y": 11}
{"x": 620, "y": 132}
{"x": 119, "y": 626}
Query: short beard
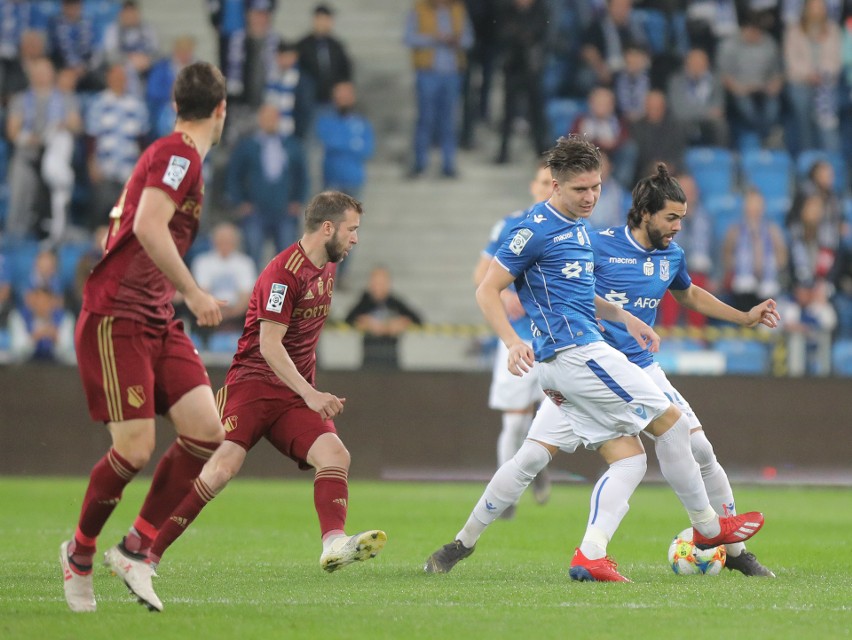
{"x": 333, "y": 251}
{"x": 656, "y": 239}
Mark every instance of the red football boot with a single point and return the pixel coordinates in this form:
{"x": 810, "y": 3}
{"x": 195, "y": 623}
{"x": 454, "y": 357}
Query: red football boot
{"x": 737, "y": 528}
{"x": 601, "y": 570}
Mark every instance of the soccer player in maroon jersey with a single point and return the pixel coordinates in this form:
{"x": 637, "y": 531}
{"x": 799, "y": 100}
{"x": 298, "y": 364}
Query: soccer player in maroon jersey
{"x": 269, "y": 390}
{"x": 134, "y": 358}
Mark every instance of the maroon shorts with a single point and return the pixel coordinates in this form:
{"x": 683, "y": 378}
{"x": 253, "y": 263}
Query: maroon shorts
{"x": 254, "y": 408}
{"x": 132, "y": 370}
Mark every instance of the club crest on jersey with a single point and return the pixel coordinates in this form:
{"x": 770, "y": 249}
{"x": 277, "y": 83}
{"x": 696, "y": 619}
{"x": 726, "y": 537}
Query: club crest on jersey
{"x": 520, "y": 241}
{"x": 648, "y": 267}
{"x": 276, "y": 298}
{"x": 581, "y": 238}
{"x": 176, "y": 171}
{"x": 664, "y": 269}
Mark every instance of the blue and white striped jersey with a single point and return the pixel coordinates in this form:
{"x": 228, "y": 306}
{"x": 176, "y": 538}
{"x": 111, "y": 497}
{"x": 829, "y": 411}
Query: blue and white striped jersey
{"x": 634, "y": 278}
{"x": 551, "y": 258}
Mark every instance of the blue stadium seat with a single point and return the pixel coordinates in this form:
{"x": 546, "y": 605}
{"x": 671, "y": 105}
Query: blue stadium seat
{"x": 806, "y": 160}
{"x": 769, "y": 171}
{"x": 841, "y": 357}
{"x": 656, "y": 28}
{"x": 224, "y": 342}
{"x": 724, "y": 210}
{"x": 712, "y": 168}
{"x": 21, "y": 257}
{"x": 68, "y": 255}
{"x": 777, "y": 208}
{"x": 561, "y": 113}
{"x": 744, "y": 357}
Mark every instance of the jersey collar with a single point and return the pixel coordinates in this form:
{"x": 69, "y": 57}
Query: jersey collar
{"x": 632, "y": 241}
{"x": 553, "y": 210}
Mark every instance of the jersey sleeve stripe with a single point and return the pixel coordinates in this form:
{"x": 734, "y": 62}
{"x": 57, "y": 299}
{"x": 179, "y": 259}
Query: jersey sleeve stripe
{"x": 294, "y": 263}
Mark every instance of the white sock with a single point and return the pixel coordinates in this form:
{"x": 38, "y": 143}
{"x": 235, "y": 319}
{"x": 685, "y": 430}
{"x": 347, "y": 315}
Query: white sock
{"x": 609, "y": 503}
{"x": 505, "y": 489}
{"x": 716, "y": 482}
{"x": 681, "y": 471}
{"x": 515, "y": 429}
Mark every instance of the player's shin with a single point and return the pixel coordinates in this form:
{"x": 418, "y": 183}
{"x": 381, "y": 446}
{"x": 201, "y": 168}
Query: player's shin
{"x": 681, "y": 471}
{"x": 173, "y": 478}
{"x": 331, "y": 499}
{"x": 716, "y": 482}
{"x": 107, "y": 480}
{"x": 505, "y": 489}
{"x": 609, "y": 503}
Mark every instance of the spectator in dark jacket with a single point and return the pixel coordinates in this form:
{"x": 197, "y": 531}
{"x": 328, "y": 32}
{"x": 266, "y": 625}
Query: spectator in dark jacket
{"x": 323, "y": 56}
{"x": 267, "y": 181}
{"x": 382, "y": 317}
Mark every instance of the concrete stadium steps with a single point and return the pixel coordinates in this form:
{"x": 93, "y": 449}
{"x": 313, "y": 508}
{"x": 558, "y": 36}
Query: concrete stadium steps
{"x": 428, "y": 231}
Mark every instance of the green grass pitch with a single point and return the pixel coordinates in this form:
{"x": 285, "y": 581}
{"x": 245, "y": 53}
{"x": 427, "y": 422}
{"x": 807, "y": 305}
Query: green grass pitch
{"x": 249, "y": 568}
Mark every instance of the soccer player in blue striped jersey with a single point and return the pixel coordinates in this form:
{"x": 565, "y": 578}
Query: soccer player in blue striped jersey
{"x": 605, "y": 400}
{"x": 516, "y": 397}
{"x": 635, "y": 264}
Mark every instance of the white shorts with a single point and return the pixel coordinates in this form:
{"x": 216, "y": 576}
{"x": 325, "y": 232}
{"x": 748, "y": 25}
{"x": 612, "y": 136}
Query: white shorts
{"x": 510, "y": 392}
{"x": 601, "y": 393}
{"x": 656, "y": 373}
{"x": 551, "y": 426}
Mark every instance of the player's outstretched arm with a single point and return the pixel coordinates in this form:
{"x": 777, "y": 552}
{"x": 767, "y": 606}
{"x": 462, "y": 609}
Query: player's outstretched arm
{"x": 272, "y": 349}
{"x": 151, "y": 227}
{"x": 644, "y": 335}
{"x": 705, "y": 303}
{"x": 496, "y": 279}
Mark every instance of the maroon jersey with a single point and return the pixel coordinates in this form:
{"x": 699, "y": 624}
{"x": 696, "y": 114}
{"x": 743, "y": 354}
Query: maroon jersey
{"x": 291, "y": 291}
{"x": 126, "y": 283}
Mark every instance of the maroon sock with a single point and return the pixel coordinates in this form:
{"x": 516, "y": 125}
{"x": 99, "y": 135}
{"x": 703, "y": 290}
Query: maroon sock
{"x": 173, "y": 477}
{"x": 106, "y": 482}
{"x": 181, "y": 518}
{"x": 331, "y": 495}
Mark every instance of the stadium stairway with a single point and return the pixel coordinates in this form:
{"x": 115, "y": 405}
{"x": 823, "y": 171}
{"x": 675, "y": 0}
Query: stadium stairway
{"x": 429, "y": 231}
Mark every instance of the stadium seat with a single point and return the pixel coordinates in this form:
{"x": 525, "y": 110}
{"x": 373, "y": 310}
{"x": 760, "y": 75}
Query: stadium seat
{"x": 561, "y": 113}
{"x": 656, "y": 28}
{"x": 769, "y": 171}
{"x": 841, "y": 358}
{"x": 224, "y": 342}
{"x": 777, "y": 209}
{"x": 68, "y": 255}
{"x": 21, "y": 258}
{"x": 724, "y": 210}
{"x": 744, "y": 357}
{"x": 806, "y": 160}
{"x": 712, "y": 168}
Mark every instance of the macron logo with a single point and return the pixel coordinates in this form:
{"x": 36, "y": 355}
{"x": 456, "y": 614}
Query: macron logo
{"x": 640, "y": 411}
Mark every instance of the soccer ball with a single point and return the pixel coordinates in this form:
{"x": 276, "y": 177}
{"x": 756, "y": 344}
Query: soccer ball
{"x": 688, "y": 560}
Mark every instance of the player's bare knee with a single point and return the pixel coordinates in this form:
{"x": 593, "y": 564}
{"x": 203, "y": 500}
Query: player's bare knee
{"x": 134, "y": 444}
{"x": 662, "y": 423}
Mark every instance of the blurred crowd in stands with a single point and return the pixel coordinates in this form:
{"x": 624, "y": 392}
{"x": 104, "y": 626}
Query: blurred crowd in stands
{"x": 747, "y": 101}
